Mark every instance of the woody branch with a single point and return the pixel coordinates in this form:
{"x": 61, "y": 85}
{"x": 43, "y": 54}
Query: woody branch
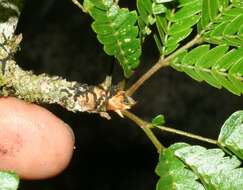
{"x": 43, "y": 88}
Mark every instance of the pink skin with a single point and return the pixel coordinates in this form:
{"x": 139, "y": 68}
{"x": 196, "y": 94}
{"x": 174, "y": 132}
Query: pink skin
{"x": 33, "y": 142}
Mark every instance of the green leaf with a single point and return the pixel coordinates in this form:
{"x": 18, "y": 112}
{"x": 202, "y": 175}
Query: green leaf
{"x": 187, "y": 11}
{"x": 116, "y": 30}
{"x": 215, "y": 171}
{"x": 231, "y": 134}
{"x": 175, "y": 62}
{"x": 233, "y": 26}
{"x": 223, "y": 64}
{"x": 174, "y": 27}
{"x": 158, "y": 43}
{"x": 145, "y": 17}
{"x": 183, "y": 3}
{"x": 206, "y": 61}
{"x": 173, "y": 173}
{"x": 158, "y": 120}
{"x": 235, "y": 75}
{"x": 158, "y": 8}
{"x": 8, "y": 181}
{"x": 209, "y": 12}
{"x": 148, "y": 10}
{"x": 191, "y": 58}
{"x": 182, "y": 25}
{"x": 163, "y": 1}
{"x": 226, "y": 27}
{"x": 145, "y": 10}
{"x": 173, "y": 41}
{"x": 218, "y": 66}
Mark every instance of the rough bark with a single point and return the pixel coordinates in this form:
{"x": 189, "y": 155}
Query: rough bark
{"x": 43, "y": 88}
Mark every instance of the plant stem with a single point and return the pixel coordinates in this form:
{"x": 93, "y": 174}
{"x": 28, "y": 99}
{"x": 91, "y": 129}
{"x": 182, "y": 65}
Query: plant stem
{"x": 183, "y": 133}
{"x": 145, "y": 127}
{"x": 162, "y": 62}
{"x": 73, "y": 96}
{"x": 79, "y": 5}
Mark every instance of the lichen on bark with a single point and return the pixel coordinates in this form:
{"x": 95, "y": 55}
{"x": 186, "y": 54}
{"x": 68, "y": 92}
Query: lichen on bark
{"x": 74, "y": 96}
{"x": 43, "y": 88}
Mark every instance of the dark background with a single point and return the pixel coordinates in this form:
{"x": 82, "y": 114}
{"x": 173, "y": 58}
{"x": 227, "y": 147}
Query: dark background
{"x": 115, "y": 154}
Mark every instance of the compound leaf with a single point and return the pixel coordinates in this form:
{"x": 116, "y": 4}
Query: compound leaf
{"x": 116, "y": 30}
{"x": 173, "y": 173}
{"x": 225, "y": 28}
{"x": 181, "y": 166}
{"x": 187, "y": 10}
{"x": 145, "y": 18}
{"x": 218, "y": 66}
{"x": 175, "y": 25}
{"x": 212, "y": 167}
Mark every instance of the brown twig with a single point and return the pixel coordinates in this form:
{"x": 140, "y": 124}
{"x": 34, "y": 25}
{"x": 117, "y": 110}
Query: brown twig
{"x": 145, "y": 127}
{"x": 162, "y": 62}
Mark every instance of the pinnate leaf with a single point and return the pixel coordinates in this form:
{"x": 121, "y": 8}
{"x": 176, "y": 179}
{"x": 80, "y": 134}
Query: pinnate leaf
{"x": 225, "y": 26}
{"x": 218, "y": 66}
{"x": 212, "y": 167}
{"x": 175, "y": 26}
{"x": 116, "y": 29}
{"x": 173, "y": 173}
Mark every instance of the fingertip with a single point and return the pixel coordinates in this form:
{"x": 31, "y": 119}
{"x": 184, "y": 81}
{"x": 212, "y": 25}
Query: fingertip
{"x": 41, "y": 144}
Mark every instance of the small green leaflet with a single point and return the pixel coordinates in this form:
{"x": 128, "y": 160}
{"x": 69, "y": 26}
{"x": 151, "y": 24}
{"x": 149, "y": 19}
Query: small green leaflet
{"x": 181, "y": 166}
{"x": 174, "y": 174}
{"x": 215, "y": 171}
{"x": 231, "y": 134}
{"x": 219, "y": 66}
{"x": 163, "y": 1}
{"x": 158, "y": 120}
{"x": 8, "y": 181}
{"x": 176, "y": 25}
{"x": 228, "y": 29}
{"x": 209, "y": 12}
{"x": 148, "y": 9}
{"x": 116, "y": 30}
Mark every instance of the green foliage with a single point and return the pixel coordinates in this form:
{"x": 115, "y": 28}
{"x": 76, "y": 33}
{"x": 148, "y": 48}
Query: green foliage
{"x": 145, "y": 18}
{"x": 148, "y": 10}
{"x": 158, "y": 120}
{"x": 219, "y": 66}
{"x": 116, "y": 30}
{"x": 231, "y": 135}
{"x": 218, "y": 22}
{"x": 214, "y": 170}
{"x": 174, "y": 175}
{"x": 176, "y": 24}
{"x": 211, "y": 166}
{"x": 222, "y": 23}
{"x": 8, "y": 181}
